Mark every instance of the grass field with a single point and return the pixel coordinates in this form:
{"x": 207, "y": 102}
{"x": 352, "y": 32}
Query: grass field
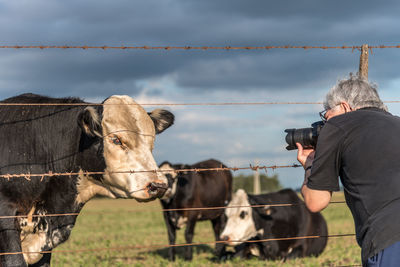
{"x": 115, "y": 224}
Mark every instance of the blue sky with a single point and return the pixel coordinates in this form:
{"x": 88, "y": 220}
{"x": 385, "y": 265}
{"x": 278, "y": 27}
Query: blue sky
{"x": 236, "y": 135}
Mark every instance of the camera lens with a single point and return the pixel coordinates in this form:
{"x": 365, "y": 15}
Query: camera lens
{"x": 302, "y": 136}
{"x": 307, "y": 137}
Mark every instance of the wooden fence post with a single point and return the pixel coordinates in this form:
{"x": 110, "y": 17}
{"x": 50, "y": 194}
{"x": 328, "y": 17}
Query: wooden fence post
{"x": 256, "y": 181}
{"x": 363, "y": 69}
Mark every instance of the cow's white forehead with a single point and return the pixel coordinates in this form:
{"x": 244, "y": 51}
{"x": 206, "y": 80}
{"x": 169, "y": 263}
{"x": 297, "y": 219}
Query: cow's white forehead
{"x": 239, "y": 228}
{"x": 238, "y": 199}
{"x": 166, "y": 170}
{"x": 121, "y": 112}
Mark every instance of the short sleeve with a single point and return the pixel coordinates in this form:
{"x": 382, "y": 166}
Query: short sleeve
{"x": 326, "y": 164}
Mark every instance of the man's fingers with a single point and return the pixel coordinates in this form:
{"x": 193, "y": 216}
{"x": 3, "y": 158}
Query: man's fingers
{"x": 300, "y": 156}
{"x": 299, "y": 147}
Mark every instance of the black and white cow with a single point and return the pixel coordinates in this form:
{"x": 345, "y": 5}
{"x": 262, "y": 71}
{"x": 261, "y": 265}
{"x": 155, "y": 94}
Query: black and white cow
{"x": 195, "y": 190}
{"x": 269, "y": 222}
{"x": 118, "y": 136}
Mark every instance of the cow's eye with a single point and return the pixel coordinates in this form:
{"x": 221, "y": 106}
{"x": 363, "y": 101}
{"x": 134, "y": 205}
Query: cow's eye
{"x": 243, "y": 214}
{"x": 116, "y": 141}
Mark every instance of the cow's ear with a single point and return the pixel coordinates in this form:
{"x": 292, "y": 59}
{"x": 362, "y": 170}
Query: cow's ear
{"x": 268, "y": 210}
{"x": 89, "y": 121}
{"x": 162, "y": 119}
{"x": 265, "y": 211}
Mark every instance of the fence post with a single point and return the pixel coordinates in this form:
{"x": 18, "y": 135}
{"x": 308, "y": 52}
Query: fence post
{"x": 363, "y": 69}
{"x": 256, "y": 181}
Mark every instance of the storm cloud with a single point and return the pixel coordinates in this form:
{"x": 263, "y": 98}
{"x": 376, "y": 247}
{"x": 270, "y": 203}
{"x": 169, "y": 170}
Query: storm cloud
{"x": 180, "y": 23}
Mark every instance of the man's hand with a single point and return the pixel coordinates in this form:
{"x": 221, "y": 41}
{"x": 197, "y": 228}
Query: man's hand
{"x": 305, "y": 156}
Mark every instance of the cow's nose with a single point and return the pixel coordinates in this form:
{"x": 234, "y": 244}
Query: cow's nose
{"x": 156, "y": 189}
{"x": 225, "y": 238}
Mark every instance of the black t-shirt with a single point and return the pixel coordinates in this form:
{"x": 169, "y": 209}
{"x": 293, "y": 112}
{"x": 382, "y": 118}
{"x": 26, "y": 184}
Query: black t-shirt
{"x": 363, "y": 148}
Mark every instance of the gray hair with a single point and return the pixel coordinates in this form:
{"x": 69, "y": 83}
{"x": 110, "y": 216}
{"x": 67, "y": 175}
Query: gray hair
{"x": 356, "y": 91}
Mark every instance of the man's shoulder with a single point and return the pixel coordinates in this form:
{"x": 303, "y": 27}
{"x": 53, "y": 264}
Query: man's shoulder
{"x": 360, "y": 116}
{"x": 370, "y": 112}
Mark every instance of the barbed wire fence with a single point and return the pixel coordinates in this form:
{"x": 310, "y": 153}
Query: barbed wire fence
{"x": 178, "y": 104}
{"x": 28, "y": 176}
{"x": 189, "y": 47}
{"x": 186, "y": 244}
{"x": 363, "y": 72}
{"x": 169, "y": 210}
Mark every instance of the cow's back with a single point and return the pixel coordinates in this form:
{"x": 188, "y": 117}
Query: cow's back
{"x": 35, "y": 136}
{"x": 214, "y": 187}
{"x": 306, "y": 223}
{"x": 292, "y": 221}
{"x": 37, "y": 139}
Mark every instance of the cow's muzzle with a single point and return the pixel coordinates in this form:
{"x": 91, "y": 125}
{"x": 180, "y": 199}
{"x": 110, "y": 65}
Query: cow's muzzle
{"x": 227, "y": 240}
{"x": 156, "y": 189}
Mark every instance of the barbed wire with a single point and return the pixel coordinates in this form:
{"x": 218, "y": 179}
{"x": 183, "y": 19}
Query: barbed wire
{"x": 168, "y": 210}
{"x": 28, "y": 176}
{"x": 180, "y": 245}
{"x": 161, "y": 104}
{"x": 176, "y": 104}
{"x": 189, "y": 47}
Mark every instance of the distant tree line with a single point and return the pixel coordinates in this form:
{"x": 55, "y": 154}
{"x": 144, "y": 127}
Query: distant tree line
{"x": 267, "y": 183}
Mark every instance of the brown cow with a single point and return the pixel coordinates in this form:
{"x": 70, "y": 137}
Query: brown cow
{"x": 193, "y": 190}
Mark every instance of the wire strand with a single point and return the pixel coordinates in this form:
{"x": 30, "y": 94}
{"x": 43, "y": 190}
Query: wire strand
{"x": 28, "y": 176}
{"x": 180, "y": 245}
{"x": 177, "y": 104}
{"x": 188, "y": 47}
{"x": 169, "y": 210}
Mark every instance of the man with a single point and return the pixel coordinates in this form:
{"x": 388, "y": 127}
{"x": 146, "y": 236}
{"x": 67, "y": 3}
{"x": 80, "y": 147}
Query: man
{"x": 360, "y": 142}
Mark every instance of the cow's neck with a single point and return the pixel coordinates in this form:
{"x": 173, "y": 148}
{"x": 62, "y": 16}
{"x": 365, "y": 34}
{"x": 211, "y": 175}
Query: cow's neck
{"x": 41, "y": 232}
{"x": 88, "y": 187}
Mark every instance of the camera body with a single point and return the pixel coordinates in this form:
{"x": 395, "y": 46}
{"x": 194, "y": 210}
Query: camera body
{"x": 307, "y": 137}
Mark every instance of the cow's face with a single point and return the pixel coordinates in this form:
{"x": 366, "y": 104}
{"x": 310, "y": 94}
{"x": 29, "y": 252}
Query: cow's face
{"x": 240, "y": 224}
{"x": 128, "y": 134}
{"x": 172, "y": 178}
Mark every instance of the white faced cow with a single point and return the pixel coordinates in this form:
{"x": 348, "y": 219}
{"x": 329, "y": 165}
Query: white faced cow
{"x": 246, "y": 223}
{"x": 114, "y": 139}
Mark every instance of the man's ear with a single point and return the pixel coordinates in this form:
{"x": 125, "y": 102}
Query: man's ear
{"x": 162, "y": 119}
{"x": 89, "y": 121}
{"x": 346, "y": 106}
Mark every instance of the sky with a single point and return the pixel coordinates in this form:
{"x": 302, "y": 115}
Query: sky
{"x": 236, "y": 135}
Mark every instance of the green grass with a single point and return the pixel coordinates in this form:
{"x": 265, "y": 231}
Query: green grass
{"x": 117, "y": 224}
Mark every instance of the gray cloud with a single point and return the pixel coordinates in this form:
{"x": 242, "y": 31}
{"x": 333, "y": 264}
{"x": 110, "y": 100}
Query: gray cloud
{"x": 266, "y": 71}
{"x": 337, "y": 10}
{"x": 221, "y": 23}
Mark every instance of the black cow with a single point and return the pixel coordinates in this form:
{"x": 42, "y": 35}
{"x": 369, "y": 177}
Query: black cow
{"x": 117, "y": 136}
{"x": 269, "y": 222}
{"x": 194, "y": 190}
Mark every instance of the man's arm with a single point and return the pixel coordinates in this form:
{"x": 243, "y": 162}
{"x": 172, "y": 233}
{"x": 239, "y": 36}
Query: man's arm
{"x": 316, "y": 200}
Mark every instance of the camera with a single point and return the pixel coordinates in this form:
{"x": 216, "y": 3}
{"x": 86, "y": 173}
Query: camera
{"x": 307, "y": 137}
